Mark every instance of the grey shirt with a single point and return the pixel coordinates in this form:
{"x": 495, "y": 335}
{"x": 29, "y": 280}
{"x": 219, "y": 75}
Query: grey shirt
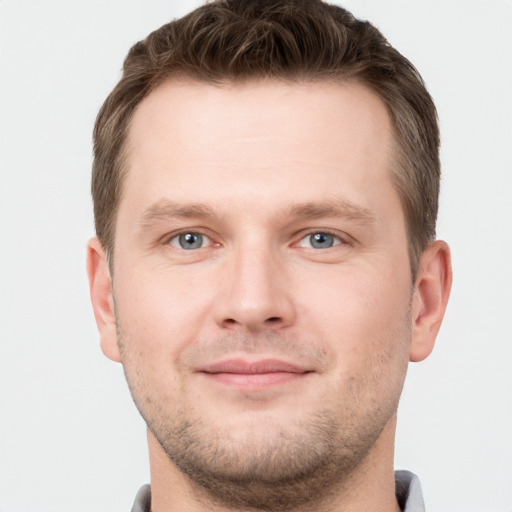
{"x": 408, "y": 494}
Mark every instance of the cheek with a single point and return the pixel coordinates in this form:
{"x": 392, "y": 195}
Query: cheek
{"x": 161, "y": 310}
{"x": 149, "y": 340}
{"x": 354, "y": 300}
{"x": 365, "y": 318}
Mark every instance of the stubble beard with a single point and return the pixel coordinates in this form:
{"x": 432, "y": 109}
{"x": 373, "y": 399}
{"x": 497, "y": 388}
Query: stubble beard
{"x": 287, "y": 471}
{"x": 273, "y": 467}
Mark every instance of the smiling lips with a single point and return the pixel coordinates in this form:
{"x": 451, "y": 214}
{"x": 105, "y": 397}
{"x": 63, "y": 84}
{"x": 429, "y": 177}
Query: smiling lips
{"x": 257, "y": 374}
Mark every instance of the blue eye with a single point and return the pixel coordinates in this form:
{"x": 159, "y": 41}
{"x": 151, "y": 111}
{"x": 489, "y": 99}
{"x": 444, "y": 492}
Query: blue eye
{"x": 319, "y": 240}
{"x": 189, "y": 241}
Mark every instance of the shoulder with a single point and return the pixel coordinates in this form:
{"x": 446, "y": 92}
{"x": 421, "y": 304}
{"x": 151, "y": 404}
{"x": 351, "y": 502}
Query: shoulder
{"x": 142, "y": 500}
{"x": 408, "y": 492}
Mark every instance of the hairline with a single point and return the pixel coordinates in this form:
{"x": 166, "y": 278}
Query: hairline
{"x": 397, "y": 152}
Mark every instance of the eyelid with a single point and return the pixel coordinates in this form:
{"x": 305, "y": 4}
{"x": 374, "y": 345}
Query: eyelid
{"x": 342, "y": 238}
{"x": 167, "y": 239}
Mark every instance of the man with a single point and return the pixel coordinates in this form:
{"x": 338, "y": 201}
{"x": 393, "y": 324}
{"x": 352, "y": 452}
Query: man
{"x": 265, "y": 187}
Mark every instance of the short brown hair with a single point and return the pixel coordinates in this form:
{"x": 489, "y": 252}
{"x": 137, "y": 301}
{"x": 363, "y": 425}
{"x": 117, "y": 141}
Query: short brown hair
{"x": 238, "y": 40}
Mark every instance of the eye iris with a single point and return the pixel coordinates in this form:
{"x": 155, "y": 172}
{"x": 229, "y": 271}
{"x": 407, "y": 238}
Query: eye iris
{"x": 191, "y": 240}
{"x": 321, "y": 240}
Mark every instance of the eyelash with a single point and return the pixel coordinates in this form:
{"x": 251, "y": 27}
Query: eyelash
{"x": 339, "y": 240}
{"x": 175, "y": 236}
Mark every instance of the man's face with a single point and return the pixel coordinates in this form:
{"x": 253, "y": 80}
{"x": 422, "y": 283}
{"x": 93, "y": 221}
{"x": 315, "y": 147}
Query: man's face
{"x": 261, "y": 277}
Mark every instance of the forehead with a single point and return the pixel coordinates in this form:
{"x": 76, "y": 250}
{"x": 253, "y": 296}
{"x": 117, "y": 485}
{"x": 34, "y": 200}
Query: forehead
{"x": 236, "y": 139}
{"x": 187, "y": 109}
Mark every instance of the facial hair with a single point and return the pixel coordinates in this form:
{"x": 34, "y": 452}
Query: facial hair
{"x": 274, "y": 466}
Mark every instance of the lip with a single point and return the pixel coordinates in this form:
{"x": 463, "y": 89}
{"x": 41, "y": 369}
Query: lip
{"x": 253, "y": 374}
{"x": 243, "y": 367}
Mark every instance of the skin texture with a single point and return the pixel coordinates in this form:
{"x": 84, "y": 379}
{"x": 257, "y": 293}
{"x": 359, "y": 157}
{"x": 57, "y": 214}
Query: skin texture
{"x": 328, "y": 323}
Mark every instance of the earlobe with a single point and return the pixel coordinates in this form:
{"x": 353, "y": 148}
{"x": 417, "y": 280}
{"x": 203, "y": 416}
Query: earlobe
{"x": 100, "y": 285}
{"x": 430, "y": 298}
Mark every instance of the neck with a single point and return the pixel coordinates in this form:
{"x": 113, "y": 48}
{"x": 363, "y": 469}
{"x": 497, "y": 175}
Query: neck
{"x": 370, "y": 486}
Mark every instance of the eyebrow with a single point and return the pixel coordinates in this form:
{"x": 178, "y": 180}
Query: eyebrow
{"x": 338, "y": 208}
{"x": 165, "y": 209}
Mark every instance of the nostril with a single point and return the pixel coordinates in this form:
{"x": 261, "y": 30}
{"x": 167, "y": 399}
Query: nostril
{"x": 273, "y": 319}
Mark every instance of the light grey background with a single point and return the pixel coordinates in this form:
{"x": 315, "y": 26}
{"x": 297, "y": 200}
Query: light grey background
{"x": 70, "y": 438}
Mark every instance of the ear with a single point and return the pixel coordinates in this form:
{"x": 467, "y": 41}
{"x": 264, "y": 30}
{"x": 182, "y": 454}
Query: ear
{"x": 100, "y": 285}
{"x": 430, "y": 298}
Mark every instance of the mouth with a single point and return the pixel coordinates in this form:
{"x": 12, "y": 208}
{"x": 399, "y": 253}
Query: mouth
{"x": 259, "y": 374}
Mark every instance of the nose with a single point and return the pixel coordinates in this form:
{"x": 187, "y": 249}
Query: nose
{"x": 254, "y": 294}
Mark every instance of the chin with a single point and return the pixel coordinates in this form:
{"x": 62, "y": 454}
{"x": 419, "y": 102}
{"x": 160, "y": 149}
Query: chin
{"x": 273, "y": 463}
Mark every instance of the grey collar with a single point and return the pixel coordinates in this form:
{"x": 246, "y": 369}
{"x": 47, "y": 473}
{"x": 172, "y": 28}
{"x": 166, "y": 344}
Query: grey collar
{"x": 408, "y": 494}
